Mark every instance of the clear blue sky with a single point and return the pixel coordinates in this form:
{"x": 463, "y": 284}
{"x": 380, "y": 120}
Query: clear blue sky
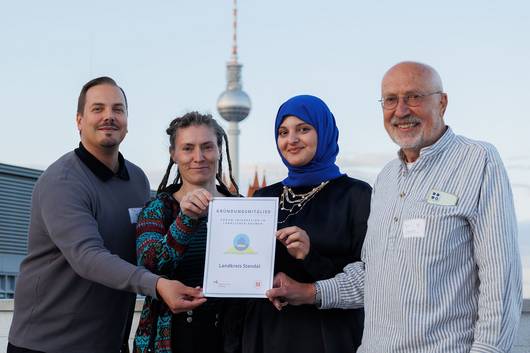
{"x": 170, "y": 57}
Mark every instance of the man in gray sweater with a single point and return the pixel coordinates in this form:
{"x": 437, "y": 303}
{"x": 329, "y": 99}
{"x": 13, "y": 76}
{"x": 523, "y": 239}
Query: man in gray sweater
{"x": 77, "y": 285}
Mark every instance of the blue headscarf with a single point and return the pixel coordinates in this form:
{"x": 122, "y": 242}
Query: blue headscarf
{"x": 316, "y": 113}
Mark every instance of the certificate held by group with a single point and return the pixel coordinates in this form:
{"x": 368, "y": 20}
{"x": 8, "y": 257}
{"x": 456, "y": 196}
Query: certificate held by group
{"x": 240, "y": 247}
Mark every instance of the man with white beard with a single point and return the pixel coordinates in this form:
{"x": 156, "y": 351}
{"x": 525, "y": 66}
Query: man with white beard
{"x": 440, "y": 269}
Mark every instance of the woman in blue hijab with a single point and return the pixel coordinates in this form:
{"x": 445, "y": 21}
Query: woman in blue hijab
{"x": 321, "y": 227}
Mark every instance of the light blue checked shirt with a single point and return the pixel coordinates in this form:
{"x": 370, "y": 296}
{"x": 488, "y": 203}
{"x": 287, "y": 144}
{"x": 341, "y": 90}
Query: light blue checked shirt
{"x": 441, "y": 270}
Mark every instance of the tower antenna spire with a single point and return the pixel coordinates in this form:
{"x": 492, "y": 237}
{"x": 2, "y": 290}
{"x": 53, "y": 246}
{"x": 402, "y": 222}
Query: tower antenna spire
{"x": 234, "y": 36}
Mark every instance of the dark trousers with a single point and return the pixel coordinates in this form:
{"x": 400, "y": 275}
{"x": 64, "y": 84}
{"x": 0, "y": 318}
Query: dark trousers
{"x": 199, "y": 332}
{"x": 14, "y": 349}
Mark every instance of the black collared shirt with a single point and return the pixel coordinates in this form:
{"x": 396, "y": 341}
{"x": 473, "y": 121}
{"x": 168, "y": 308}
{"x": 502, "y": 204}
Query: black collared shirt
{"x": 100, "y": 169}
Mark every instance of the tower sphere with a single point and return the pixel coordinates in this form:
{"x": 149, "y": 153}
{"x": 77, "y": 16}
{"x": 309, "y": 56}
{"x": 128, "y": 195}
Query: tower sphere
{"x": 233, "y": 105}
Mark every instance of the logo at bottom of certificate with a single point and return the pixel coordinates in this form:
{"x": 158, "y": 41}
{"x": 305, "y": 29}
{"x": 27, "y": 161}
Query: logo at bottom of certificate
{"x": 222, "y": 284}
{"x": 241, "y": 245}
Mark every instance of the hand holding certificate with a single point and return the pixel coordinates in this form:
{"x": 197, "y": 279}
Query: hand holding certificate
{"x": 240, "y": 246}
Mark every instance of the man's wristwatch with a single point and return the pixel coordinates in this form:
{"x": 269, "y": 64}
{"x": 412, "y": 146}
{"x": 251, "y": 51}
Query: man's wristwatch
{"x": 318, "y": 295}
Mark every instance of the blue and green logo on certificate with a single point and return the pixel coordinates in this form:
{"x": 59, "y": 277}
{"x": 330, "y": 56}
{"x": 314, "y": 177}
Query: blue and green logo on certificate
{"x": 241, "y": 245}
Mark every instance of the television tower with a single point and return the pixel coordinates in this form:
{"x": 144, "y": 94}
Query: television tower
{"x": 234, "y": 104}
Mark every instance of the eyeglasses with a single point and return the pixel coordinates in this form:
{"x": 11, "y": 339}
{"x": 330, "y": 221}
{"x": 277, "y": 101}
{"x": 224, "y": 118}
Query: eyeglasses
{"x": 412, "y": 100}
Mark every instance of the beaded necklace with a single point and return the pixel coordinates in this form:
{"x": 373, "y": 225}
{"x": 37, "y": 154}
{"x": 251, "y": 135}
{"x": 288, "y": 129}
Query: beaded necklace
{"x": 294, "y": 203}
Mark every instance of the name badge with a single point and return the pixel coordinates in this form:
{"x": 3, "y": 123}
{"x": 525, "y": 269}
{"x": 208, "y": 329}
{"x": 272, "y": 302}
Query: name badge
{"x": 134, "y": 213}
{"x": 414, "y": 228}
{"x": 441, "y": 198}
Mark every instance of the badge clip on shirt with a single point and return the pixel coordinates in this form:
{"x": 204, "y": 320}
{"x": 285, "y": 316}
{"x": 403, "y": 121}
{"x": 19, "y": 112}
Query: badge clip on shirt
{"x": 441, "y": 198}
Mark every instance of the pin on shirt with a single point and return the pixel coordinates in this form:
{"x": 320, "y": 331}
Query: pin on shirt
{"x": 441, "y": 198}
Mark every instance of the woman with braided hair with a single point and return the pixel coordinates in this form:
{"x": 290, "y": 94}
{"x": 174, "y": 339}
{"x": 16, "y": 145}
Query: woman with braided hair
{"x": 171, "y": 241}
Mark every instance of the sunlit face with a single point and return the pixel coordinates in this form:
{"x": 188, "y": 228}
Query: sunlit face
{"x": 413, "y": 128}
{"x": 196, "y": 154}
{"x": 297, "y": 141}
{"x": 103, "y": 123}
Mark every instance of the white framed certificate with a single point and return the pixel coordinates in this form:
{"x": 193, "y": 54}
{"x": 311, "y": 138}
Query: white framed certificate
{"x": 240, "y": 247}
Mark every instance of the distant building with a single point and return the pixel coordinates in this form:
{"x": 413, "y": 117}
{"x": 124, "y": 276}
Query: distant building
{"x": 16, "y": 186}
{"x": 252, "y": 188}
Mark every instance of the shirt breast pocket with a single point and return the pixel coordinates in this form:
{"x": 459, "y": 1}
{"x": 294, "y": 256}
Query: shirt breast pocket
{"x": 432, "y": 233}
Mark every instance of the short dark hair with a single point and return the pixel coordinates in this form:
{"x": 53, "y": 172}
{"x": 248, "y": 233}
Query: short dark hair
{"x": 97, "y": 81}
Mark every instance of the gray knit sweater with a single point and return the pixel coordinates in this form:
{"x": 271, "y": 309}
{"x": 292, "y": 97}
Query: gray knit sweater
{"x": 76, "y": 286}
